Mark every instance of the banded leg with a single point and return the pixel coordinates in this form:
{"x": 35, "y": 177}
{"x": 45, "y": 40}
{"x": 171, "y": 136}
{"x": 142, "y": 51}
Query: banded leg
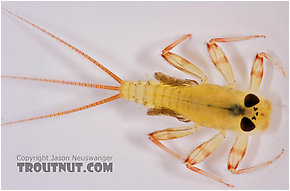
{"x": 181, "y": 63}
{"x": 238, "y": 152}
{"x": 257, "y": 71}
{"x": 203, "y": 151}
{"x": 220, "y": 59}
{"x": 171, "y": 133}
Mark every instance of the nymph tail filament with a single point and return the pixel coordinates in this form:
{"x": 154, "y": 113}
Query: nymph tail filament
{"x": 114, "y": 76}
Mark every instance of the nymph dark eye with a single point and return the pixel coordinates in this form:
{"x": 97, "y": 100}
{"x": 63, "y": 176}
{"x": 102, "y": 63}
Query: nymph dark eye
{"x": 247, "y": 125}
{"x": 251, "y": 100}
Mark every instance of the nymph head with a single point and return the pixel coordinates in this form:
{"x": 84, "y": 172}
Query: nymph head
{"x": 256, "y": 115}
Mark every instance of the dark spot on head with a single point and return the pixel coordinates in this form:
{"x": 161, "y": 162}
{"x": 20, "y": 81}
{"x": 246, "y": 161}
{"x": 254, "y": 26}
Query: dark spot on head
{"x": 237, "y": 110}
{"x": 254, "y": 118}
{"x": 257, "y": 113}
{"x": 251, "y": 100}
{"x": 247, "y": 125}
{"x": 255, "y": 108}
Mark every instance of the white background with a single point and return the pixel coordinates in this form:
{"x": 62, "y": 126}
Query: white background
{"x": 128, "y": 39}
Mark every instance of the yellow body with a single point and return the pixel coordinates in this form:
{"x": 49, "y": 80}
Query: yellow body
{"x": 207, "y": 105}
{"x": 214, "y": 106}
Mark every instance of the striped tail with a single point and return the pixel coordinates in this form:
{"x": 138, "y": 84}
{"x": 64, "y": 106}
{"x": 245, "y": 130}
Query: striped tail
{"x": 114, "y": 76}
